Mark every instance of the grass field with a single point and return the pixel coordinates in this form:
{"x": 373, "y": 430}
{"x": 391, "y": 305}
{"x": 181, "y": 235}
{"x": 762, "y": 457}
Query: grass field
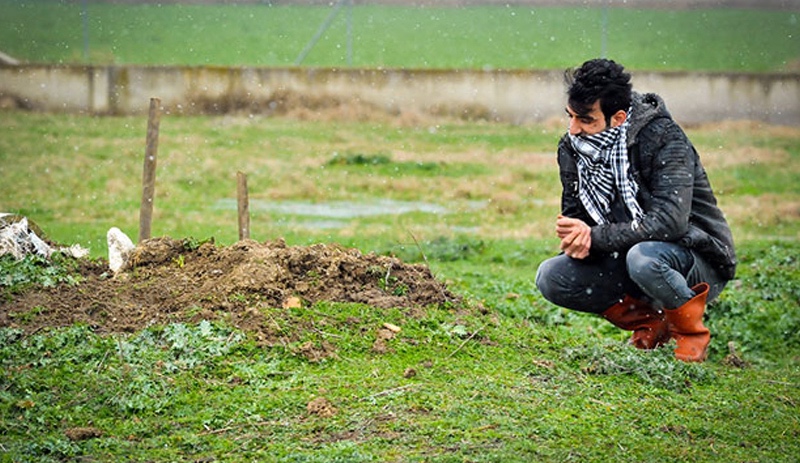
{"x": 400, "y": 37}
{"x": 83, "y": 176}
{"x": 519, "y": 381}
{"x": 525, "y": 382}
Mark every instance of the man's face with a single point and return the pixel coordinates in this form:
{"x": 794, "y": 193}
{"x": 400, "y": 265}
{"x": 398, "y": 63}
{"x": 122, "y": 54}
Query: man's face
{"x": 586, "y": 124}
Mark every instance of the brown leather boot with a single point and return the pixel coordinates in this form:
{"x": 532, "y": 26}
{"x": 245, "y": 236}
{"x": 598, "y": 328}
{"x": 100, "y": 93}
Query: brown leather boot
{"x": 686, "y": 327}
{"x": 648, "y": 324}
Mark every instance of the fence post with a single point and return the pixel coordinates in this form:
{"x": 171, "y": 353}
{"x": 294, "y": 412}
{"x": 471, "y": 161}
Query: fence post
{"x": 243, "y": 202}
{"x": 149, "y": 170}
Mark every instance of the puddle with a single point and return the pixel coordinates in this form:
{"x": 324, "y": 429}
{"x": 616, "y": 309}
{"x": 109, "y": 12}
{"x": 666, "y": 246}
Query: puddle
{"x": 345, "y": 209}
{"x": 314, "y": 224}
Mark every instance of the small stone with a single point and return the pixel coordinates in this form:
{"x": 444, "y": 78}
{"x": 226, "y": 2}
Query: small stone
{"x": 392, "y": 328}
{"x": 292, "y": 302}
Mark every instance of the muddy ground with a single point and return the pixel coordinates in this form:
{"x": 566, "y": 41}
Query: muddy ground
{"x": 167, "y": 280}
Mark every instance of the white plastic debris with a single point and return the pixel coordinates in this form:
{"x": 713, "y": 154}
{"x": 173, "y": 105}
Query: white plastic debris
{"x": 19, "y": 238}
{"x": 76, "y": 250}
{"x": 119, "y": 247}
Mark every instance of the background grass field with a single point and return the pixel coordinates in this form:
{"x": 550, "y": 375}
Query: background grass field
{"x": 543, "y": 384}
{"x": 524, "y": 382}
{"x": 400, "y": 37}
{"x": 80, "y": 175}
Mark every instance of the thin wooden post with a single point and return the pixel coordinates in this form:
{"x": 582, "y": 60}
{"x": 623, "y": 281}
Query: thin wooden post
{"x": 243, "y": 206}
{"x": 149, "y": 171}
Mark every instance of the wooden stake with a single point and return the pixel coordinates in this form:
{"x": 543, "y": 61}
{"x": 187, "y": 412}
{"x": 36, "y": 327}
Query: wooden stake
{"x": 149, "y": 171}
{"x": 244, "y": 206}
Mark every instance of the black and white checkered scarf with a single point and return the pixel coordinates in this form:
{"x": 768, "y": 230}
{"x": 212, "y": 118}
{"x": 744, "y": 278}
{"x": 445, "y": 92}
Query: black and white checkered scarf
{"x": 603, "y": 169}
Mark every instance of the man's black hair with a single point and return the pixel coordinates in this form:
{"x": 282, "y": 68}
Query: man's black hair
{"x": 599, "y": 79}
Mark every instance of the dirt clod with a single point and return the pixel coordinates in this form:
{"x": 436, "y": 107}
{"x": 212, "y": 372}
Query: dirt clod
{"x": 168, "y": 281}
{"x": 82, "y": 433}
{"x": 321, "y": 407}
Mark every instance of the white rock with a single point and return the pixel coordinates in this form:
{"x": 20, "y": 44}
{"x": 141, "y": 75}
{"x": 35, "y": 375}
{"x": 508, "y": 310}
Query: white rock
{"x": 119, "y": 246}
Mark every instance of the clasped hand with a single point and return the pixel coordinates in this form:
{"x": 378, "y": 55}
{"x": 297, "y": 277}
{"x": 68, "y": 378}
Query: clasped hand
{"x": 576, "y": 237}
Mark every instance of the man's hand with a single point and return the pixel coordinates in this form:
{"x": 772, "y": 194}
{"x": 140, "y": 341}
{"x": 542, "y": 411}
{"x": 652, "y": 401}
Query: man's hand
{"x": 576, "y": 237}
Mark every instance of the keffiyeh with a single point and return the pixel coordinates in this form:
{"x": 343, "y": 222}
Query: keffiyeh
{"x": 603, "y": 170}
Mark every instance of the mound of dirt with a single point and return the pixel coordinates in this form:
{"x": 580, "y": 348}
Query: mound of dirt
{"x": 167, "y": 280}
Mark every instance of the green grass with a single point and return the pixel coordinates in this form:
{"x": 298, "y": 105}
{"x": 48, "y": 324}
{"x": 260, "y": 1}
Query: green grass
{"x": 486, "y": 37}
{"x": 79, "y": 176}
{"x": 524, "y": 381}
{"x": 496, "y": 387}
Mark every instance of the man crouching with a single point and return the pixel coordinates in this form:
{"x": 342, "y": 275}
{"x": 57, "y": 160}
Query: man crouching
{"x": 644, "y": 243}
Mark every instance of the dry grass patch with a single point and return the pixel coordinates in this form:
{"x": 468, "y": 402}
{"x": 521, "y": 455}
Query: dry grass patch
{"x": 719, "y": 159}
{"x": 762, "y": 129}
{"x": 507, "y": 158}
{"x": 765, "y": 210}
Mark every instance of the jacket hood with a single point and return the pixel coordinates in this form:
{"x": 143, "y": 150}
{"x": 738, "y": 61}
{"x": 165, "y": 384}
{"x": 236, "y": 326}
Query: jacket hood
{"x": 645, "y": 108}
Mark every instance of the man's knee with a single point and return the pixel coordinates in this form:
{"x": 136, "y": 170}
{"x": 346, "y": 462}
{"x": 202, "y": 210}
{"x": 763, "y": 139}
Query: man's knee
{"x": 549, "y": 280}
{"x": 543, "y": 279}
{"x": 642, "y": 261}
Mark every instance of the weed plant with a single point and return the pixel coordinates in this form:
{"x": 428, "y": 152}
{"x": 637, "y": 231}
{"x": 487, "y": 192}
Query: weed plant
{"x": 33, "y": 270}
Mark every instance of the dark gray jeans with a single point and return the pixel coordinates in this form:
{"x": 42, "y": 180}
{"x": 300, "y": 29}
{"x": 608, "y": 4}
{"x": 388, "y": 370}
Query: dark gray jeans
{"x": 659, "y": 272}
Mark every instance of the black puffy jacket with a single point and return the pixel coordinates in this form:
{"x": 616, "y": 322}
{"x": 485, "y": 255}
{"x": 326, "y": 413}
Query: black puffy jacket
{"x": 674, "y": 191}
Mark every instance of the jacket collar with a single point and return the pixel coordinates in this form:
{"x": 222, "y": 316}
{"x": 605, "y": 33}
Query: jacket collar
{"x": 645, "y": 108}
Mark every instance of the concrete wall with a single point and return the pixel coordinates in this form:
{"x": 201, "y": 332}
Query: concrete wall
{"x": 517, "y": 96}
